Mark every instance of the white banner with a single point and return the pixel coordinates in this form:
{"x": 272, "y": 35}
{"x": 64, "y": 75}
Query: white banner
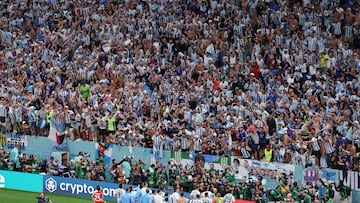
{"x": 268, "y": 171}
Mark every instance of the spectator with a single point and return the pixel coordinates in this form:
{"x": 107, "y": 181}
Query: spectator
{"x": 52, "y": 167}
{"x": 14, "y": 157}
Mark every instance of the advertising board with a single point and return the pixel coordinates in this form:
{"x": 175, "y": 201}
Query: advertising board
{"x": 21, "y": 181}
{"x": 77, "y": 187}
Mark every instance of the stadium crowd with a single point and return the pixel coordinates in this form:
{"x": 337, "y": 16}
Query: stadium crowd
{"x": 218, "y": 77}
{"x": 271, "y": 80}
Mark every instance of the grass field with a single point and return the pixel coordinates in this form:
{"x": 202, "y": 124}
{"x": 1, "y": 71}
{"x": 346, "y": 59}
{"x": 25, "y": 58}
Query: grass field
{"x": 15, "y": 196}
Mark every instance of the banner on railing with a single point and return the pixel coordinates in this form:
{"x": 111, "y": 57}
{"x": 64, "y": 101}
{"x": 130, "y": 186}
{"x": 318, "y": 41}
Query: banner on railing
{"x": 321, "y": 176}
{"x": 12, "y": 140}
{"x": 188, "y": 159}
{"x": 57, "y": 138}
{"x": 313, "y": 175}
{"x": 270, "y": 172}
{"x": 351, "y": 179}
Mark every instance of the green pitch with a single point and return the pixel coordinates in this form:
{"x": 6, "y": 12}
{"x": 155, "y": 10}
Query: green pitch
{"x": 10, "y": 196}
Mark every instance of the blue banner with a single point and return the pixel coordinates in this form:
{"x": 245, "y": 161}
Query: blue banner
{"x": 313, "y": 175}
{"x": 21, "y": 181}
{"x": 82, "y": 188}
{"x": 77, "y": 187}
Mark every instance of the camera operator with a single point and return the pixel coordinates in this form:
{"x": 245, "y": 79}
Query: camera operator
{"x": 237, "y": 191}
{"x": 98, "y": 172}
{"x": 274, "y": 195}
{"x": 259, "y": 192}
{"x": 115, "y": 171}
{"x": 306, "y": 196}
{"x": 246, "y": 191}
{"x": 52, "y": 167}
{"x": 173, "y": 172}
{"x": 25, "y": 163}
{"x": 43, "y": 199}
{"x": 295, "y": 192}
{"x": 137, "y": 172}
{"x": 289, "y": 199}
{"x": 4, "y": 160}
{"x": 125, "y": 165}
{"x": 258, "y": 198}
{"x": 121, "y": 175}
{"x": 344, "y": 191}
{"x": 35, "y": 164}
{"x": 85, "y": 167}
{"x": 150, "y": 179}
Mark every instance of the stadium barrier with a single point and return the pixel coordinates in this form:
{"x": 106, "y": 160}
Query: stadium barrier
{"x": 21, "y": 181}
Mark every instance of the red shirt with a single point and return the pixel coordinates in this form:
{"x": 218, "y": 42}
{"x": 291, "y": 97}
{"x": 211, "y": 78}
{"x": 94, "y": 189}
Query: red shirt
{"x": 215, "y": 84}
{"x": 98, "y": 197}
{"x": 272, "y": 62}
{"x": 256, "y": 71}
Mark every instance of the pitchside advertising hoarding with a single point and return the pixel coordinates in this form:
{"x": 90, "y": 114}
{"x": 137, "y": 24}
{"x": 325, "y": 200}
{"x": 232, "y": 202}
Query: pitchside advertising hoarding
{"x": 15, "y": 181}
{"x": 82, "y": 188}
{"x": 77, "y": 187}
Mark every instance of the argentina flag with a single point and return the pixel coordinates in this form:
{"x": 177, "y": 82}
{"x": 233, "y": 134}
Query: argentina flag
{"x": 105, "y": 151}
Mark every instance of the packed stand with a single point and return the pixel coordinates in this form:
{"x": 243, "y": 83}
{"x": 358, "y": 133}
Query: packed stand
{"x": 275, "y": 80}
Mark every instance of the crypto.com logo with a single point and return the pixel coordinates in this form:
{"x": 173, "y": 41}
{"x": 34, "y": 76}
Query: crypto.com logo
{"x": 50, "y": 185}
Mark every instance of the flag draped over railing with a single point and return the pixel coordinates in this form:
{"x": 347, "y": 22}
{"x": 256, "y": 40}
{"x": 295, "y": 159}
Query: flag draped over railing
{"x": 57, "y": 138}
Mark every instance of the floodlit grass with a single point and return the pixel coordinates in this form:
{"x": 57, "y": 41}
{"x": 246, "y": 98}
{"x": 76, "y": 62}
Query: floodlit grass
{"x": 16, "y": 196}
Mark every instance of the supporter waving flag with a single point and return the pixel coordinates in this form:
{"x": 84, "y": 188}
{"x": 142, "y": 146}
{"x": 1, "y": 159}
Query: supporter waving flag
{"x": 104, "y": 151}
{"x": 57, "y": 139}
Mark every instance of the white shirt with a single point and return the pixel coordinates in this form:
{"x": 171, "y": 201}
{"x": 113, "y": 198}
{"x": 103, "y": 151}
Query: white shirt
{"x": 157, "y": 198}
{"x": 119, "y": 193}
{"x": 229, "y": 198}
{"x": 193, "y": 194}
{"x": 174, "y": 197}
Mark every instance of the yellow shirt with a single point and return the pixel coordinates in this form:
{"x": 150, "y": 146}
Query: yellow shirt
{"x": 111, "y": 124}
{"x": 268, "y": 155}
{"x": 219, "y": 200}
{"x": 284, "y": 190}
{"x": 324, "y": 60}
{"x": 49, "y": 116}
